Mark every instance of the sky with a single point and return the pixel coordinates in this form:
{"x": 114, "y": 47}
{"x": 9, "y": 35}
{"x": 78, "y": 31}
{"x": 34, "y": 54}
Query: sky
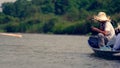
{"x": 2, "y": 1}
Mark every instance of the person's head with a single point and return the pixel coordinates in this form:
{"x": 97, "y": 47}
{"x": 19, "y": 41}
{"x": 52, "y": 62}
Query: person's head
{"x": 102, "y": 17}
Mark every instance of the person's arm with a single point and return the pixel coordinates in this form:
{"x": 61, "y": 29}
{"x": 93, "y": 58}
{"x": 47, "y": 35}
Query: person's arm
{"x": 100, "y": 31}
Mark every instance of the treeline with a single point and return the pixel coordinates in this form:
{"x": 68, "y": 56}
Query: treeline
{"x": 55, "y": 16}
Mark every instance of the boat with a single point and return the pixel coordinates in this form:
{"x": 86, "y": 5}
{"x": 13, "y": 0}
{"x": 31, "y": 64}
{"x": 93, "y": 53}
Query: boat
{"x": 99, "y": 52}
{"x": 105, "y": 53}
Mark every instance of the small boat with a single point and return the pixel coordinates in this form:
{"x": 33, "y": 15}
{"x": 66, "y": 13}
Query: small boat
{"x": 105, "y": 53}
{"x": 102, "y": 53}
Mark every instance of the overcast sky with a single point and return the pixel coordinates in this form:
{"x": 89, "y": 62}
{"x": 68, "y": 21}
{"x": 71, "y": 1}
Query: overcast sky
{"x": 2, "y": 1}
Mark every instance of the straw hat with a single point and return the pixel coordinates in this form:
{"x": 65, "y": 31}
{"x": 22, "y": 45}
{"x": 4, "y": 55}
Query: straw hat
{"x": 102, "y": 17}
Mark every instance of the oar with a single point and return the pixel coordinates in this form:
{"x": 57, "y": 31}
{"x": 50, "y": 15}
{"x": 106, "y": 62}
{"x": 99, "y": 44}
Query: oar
{"x": 10, "y": 34}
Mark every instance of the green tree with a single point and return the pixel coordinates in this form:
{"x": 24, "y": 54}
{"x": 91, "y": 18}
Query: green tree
{"x": 9, "y": 8}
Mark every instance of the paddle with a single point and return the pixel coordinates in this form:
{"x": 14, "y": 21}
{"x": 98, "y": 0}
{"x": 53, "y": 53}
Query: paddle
{"x": 11, "y": 34}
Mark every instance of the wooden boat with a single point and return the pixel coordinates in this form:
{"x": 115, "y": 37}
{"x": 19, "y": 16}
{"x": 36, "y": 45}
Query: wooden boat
{"x": 104, "y": 53}
{"x": 99, "y": 52}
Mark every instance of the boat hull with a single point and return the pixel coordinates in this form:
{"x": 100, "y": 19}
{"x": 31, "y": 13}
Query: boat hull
{"x": 105, "y": 53}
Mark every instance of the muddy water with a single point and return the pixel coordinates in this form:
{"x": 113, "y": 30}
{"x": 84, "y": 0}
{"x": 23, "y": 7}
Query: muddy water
{"x": 50, "y": 51}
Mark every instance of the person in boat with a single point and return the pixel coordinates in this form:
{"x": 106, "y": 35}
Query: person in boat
{"x": 116, "y": 46}
{"x": 105, "y": 31}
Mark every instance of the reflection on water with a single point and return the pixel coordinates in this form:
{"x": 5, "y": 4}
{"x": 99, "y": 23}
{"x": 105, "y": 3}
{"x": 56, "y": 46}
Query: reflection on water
{"x": 51, "y": 51}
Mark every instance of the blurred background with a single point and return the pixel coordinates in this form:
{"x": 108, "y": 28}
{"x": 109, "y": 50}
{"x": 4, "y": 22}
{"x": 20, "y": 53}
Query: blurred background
{"x": 54, "y": 16}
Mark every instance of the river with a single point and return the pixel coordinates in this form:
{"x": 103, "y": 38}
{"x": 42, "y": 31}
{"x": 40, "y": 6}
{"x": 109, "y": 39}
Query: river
{"x": 50, "y": 51}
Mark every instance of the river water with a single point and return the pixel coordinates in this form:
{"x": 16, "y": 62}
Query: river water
{"x": 50, "y": 51}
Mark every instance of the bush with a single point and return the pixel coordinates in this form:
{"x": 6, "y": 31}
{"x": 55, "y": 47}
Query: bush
{"x": 70, "y": 28}
{"x": 11, "y": 27}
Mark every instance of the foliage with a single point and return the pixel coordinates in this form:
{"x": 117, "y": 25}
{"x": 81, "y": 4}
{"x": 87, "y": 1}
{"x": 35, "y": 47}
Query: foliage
{"x": 55, "y": 16}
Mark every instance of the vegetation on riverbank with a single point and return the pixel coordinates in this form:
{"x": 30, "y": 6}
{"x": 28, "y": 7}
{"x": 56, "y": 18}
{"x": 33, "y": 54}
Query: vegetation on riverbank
{"x": 54, "y": 16}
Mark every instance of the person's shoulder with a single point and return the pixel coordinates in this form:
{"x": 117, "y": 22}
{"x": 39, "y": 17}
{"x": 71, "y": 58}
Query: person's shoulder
{"x": 108, "y": 23}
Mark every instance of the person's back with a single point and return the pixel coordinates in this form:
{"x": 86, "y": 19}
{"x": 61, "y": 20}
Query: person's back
{"x": 110, "y": 29}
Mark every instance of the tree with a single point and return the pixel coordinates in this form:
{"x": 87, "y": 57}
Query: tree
{"x": 9, "y": 8}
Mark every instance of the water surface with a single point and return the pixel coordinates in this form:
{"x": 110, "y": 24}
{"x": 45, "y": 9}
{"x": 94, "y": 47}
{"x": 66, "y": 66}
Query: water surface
{"x": 50, "y": 51}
